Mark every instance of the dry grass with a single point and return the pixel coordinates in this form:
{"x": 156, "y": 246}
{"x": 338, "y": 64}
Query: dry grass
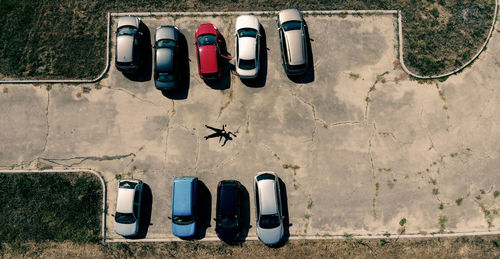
{"x": 66, "y": 39}
{"x": 463, "y": 247}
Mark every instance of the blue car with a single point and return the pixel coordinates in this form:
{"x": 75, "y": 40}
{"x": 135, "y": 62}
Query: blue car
{"x": 184, "y": 206}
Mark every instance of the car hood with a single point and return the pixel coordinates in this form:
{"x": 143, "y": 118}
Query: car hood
{"x": 247, "y": 21}
{"x": 184, "y": 230}
{"x": 208, "y": 59}
{"x": 295, "y": 44}
{"x": 126, "y": 229}
{"x": 270, "y": 236}
{"x": 227, "y": 233}
{"x": 128, "y": 21}
{"x": 247, "y": 48}
{"x": 124, "y": 48}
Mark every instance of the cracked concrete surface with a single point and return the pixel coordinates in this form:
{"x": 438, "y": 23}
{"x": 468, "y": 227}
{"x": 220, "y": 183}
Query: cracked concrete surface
{"x": 357, "y": 154}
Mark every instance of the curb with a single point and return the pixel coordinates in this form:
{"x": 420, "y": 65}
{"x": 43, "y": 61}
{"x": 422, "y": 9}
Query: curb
{"x": 99, "y": 176}
{"x": 326, "y": 12}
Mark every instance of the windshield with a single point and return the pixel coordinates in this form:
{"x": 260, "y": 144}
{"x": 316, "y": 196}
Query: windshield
{"x": 165, "y": 77}
{"x": 127, "y": 30}
{"x": 269, "y": 221}
{"x": 228, "y": 222}
{"x": 124, "y": 218}
{"x": 207, "y": 39}
{"x": 127, "y": 185}
{"x": 293, "y": 25}
{"x": 166, "y": 44}
{"x": 247, "y": 32}
{"x": 183, "y": 220}
{"x": 247, "y": 63}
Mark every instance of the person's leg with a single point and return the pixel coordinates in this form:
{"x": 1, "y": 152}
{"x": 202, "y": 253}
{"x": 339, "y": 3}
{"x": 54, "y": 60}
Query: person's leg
{"x": 212, "y": 135}
{"x": 212, "y": 128}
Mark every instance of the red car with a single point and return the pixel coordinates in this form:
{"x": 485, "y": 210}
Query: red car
{"x": 208, "y": 40}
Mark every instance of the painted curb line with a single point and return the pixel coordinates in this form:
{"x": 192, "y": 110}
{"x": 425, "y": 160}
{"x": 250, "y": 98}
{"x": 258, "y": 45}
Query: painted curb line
{"x": 97, "y": 174}
{"x": 326, "y": 12}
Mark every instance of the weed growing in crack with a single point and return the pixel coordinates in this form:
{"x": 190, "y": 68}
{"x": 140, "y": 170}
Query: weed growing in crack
{"x": 387, "y": 234}
{"x": 433, "y": 181}
{"x": 354, "y": 76}
{"x": 402, "y": 222}
{"x": 442, "y": 223}
{"x": 441, "y": 206}
{"x": 118, "y": 176}
{"x": 435, "y": 191}
{"x": 348, "y": 236}
{"x": 307, "y": 216}
{"x": 309, "y": 204}
{"x": 459, "y": 201}
{"x": 496, "y": 194}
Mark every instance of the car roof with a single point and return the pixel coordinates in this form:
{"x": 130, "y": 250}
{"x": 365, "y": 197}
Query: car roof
{"x": 124, "y": 48}
{"x": 183, "y": 190}
{"x": 247, "y": 48}
{"x": 125, "y": 200}
{"x": 208, "y": 59}
{"x": 164, "y": 59}
{"x": 294, "y": 41}
{"x": 247, "y": 21}
{"x": 128, "y": 21}
{"x": 167, "y": 32}
{"x": 267, "y": 194}
{"x": 227, "y": 202}
{"x": 205, "y": 28}
{"x": 289, "y": 15}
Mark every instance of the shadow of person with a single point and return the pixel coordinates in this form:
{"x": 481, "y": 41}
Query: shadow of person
{"x": 308, "y": 76}
{"x": 227, "y": 137}
{"x": 145, "y": 57}
{"x": 182, "y": 59}
{"x": 260, "y": 80}
{"x": 146, "y": 208}
{"x": 244, "y": 214}
{"x": 285, "y": 214}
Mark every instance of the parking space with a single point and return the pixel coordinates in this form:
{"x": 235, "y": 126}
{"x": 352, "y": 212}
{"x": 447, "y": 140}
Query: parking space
{"x": 358, "y": 146}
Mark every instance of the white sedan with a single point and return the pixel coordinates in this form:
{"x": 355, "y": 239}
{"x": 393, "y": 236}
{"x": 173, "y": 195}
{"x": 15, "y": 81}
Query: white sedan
{"x": 247, "y": 47}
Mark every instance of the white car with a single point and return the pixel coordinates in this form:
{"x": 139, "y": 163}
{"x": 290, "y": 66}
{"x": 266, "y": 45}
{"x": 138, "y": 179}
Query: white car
{"x": 128, "y": 207}
{"x": 268, "y": 215}
{"x": 247, "y": 47}
{"x": 293, "y": 42}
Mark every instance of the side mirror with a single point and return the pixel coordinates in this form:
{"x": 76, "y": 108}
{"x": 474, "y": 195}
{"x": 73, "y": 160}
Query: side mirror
{"x": 169, "y": 217}
{"x": 219, "y": 40}
{"x": 112, "y": 215}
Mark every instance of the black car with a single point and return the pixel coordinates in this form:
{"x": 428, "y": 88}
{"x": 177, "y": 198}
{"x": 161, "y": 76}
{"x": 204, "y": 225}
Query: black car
{"x": 227, "y": 212}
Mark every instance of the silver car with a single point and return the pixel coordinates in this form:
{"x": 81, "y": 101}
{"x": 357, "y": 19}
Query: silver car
{"x": 128, "y": 207}
{"x": 268, "y": 208}
{"x": 166, "y": 71}
{"x": 292, "y": 33}
{"x": 128, "y": 41}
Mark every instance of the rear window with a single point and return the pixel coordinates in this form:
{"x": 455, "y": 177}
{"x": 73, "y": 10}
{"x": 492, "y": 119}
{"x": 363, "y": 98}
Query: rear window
{"x": 269, "y": 221}
{"x": 183, "y": 220}
{"x": 246, "y": 64}
{"x": 207, "y": 39}
{"x": 165, "y": 77}
{"x": 124, "y": 218}
{"x": 293, "y": 25}
{"x": 297, "y": 67}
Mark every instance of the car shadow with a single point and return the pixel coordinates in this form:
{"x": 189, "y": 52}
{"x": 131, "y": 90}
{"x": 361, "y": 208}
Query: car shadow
{"x": 244, "y": 214}
{"x": 260, "y": 80}
{"x": 146, "y": 208}
{"x": 146, "y": 57}
{"x": 308, "y": 76}
{"x": 224, "y": 82}
{"x": 204, "y": 210}
{"x": 181, "y": 92}
{"x": 285, "y": 214}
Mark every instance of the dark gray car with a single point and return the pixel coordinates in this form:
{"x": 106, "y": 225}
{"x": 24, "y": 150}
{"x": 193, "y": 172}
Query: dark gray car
{"x": 166, "y": 69}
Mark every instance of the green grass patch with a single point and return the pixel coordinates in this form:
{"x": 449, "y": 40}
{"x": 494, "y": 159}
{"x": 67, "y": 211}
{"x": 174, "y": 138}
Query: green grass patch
{"x": 50, "y": 207}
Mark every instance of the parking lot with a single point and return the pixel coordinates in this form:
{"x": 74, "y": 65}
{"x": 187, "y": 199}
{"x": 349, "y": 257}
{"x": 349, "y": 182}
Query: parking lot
{"x": 358, "y": 145}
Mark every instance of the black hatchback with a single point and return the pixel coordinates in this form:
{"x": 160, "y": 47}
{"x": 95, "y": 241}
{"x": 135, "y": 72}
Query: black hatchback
{"x": 227, "y": 212}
